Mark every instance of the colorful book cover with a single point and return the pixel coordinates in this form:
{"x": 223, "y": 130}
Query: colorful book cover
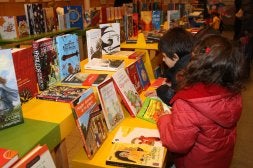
{"x": 8, "y": 29}
{"x": 110, "y": 103}
{"x": 105, "y": 64}
{"x": 127, "y": 92}
{"x": 144, "y": 79}
{"x": 75, "y": 15}
{"x": 135, "y": 24}
{"x": 110, "y": 33}
{"x": 94, "y": 44}
{"x": 133, "y": 75}
{"x": 90, "y": 122}
{"x": 22, "y": 25}
{"x": 10, "y": 106}
{"x": 136, "y": 155}
{"x": 50, "y": 19}
{"x": 60, "y": 93}
{"x": 146, "y": 20}
{"x": 137, "y": 135}
{"x": 156, "y": 20}
{"x": 46, "y": 63}
{"x": 67, "y": 48}
{"x": 25, "y": 73}
{"x": 8, "y": 157}
{"x": 128, "y": 21}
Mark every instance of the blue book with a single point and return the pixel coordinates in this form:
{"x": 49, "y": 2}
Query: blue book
{"x": 68, "y": 53}
{"x": 142, "y": 73}
{"x": 156, "y": 20}
{"x": 75, "y": 16}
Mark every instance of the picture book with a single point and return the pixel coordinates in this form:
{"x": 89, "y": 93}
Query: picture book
{"x": 137, "y": 135}
{"x": 8, "y": 157}
{"x": 110, "y": 103}
{"x": 84, "y": 79}
{"x": 156, "y": 20}
{"x": 133, "y": 75}
{"x": 10, "y": 105}
{"x": 127, "y": 92}
{"x": 143, "y": 75}
{"x": 105, "y": 64}
{"x": 50, "y": 19}
{"x": 39, "y": 156}
{"x": 110, "y": 35}
{"x": 146, "y": 20}
{"x": 158, "y": 82}
{"x": 46, "y": 63}
{"x": 94, "y": 43}
{"x": 22, "y": 26}
{"x": 8, "y": 29}
{"x": 67, "y": 49}
{"x": 25, "y": 73}
{"x": 152, "y": 108}
{"x": 90, "y": 121}
{"x": 60, "y": 93}
{"x": 136, "y": 155}
{"x": 75, "y": 15}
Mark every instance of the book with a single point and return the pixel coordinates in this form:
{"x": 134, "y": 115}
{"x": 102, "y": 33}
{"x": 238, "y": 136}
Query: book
{"x": 146, "y": 20}
{"x": 156, "y": 20}
{"x": 84, "y": 79}
{"x": 22, "y": 26}
{"x": 142, "y": 73}
{"x": 105, "y": 64}
{"x": 152, "y": 108}
{"x": 63, "y": 21}
{"x": 131, "y": 71}
{"x": 110, "y": 103}
{"x": 10, "y": 105}
{"x": 25, "y": 73}
{"x": 68, "y": 53}
{"x": 130, "y": 97}
{"x": 90, "y": 122}
{"x": 8, "y": 157}
{"x": 75, "y": 15}
{"x": 94, "y": 44}
{"x": 8, "y": 28}
{"x": 60, "y": 93}
{"x": 46, "y": 63}
{"x": 136, "y": 155}
{"x": 39, "y": 156}
{"x": 137, "y": 135}
{"x": 128, "y": 26}
{"x": 50, "y": 19}
{"x": 158, "y": 82}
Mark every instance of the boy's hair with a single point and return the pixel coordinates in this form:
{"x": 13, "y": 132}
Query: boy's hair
{"x": 176, "y": 40}
{"x": 215, "y": 60}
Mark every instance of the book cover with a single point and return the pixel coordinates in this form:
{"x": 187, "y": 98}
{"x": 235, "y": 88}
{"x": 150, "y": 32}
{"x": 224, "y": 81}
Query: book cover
{"x": 110, "y": 103}
{"x": 127, "y": 92}
{"x": 50, "y": 19}
{"x": 128, "y": 26}
{"x": 137, "y": 135}
{"x": 94, "y": 44}
{"x": 22, "y": 25}
{"x": 8, "y": 157}
{"x": 110, "y": 33}
{"x": 144, "y": 79}
{"x": 67, "y": 49}
{"x": 156, "y": 20}
{"x": 39, "y": 156}
{"x": 134, "y": 77}
{"x": 25, "y": 73}
{"x": 105, "y": 64}
{"x": 8, "y": 29}
{"x": 90, "y": 122}
{"x": 75, "y": 15}
{"x": 135, "y": 24}
{"x": 46, "y": 63}
{"x": 146, "y": 20}
{"x": 158, "y": 82}
{"x": 10, "y": 106}
{"x": 136, "y": 155}
{"x": 60, "y": 93}
{"x": 63, "y": 21}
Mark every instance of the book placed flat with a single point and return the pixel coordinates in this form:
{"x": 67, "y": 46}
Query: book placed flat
{"x": 104, "y": 64}
{"x": 136, "y": 155}
{"x": 8, "y": 157}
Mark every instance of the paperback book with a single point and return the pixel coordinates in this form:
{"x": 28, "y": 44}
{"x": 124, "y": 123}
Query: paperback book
{"x": 8, "y": 28}
{"x": 105, "y": 64}
{"x": 8, "y": 157}
{"x": 94, "y": 43}
{"x": 75, "y": 15}
{"x": 22, "y": 26}
{"x": 131, "y": 71}
{"x": 142, "y": 73}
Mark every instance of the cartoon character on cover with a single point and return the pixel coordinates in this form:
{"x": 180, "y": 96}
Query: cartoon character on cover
{"x": 131, "y": 154}
{"x": 145, "y": 140}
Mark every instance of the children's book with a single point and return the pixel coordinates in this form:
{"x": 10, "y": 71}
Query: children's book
{"x": 90, "y": 122}
{"x": 25, "y": 73}
{"x": 156, "y": 20}
{"x": 134, "y": 77}
{"x": 75, "y": 15}
{"x": 10, "y": 105}
{"x": 143, "y": 75}
{"x": 146, "y": 20}
{"x": 136, "y": 155}
{"x": 152, "y": 108}
{"x": 22, "y": 26}
{"x": 94, "y": 43}
{"x": 8, "y": 29}
{"x": 127, "y": 92}
{"x": 38, "y": 157}
{"x": 50, "y": 19}
{"x": 137, "y": 135}
{"x": 8, "y": 157}
{"x": 110, "y": 103}
{"x": 67, "y": 48}
{"x": 105, "y": 64}
{"x": 46, "y": 63}
{"x": 60, "y": 93}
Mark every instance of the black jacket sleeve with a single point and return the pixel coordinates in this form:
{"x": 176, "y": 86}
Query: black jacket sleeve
{"x": 165, "y": 93}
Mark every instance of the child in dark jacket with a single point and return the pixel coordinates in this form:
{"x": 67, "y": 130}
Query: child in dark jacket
{"x": 175, "y": 46}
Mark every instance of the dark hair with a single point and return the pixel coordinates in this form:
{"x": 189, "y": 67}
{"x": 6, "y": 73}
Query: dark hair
{"x": 176, "y": 40}
{"x": 117, "y": 155}
{"x": 215, "y": 60}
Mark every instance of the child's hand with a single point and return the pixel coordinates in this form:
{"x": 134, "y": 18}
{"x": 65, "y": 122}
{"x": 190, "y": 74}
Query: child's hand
{"x": 150, "y": 93}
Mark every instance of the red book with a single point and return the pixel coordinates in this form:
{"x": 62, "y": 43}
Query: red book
{"x": 8, "y": 157}
{"x": 158, "y": 82}
{"x": 133, "y": 75}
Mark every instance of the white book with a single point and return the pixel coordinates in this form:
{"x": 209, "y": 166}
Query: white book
{"x": 105, "y": 64}
{"x": 94, "y": 43}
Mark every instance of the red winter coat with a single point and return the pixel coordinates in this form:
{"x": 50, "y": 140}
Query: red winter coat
{"x": 202, "y": 126}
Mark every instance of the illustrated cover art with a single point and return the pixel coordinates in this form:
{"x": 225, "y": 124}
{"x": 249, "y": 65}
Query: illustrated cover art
{"x": 46, "y": 63}
{"x": 25, "y": 73}
{"x": 22, "y": 25}
{"x": 146, "y": 20}
{"x": 10, "y": 106}
{"x": 90, "y": 122}
{"x": 60, "y": 93}
{"x": 110, "y": 33}
{"x": 111, "y": 105}
{"x": 156, "y": 20}
{"x": 136, "y": 155}
{"x": 94, "y": 43}
{"x": 75, "y": 15}
{"x": 67, "y": 49}
{"x": 137, "y": 135}
{"x": 127, "y": 92}
{"x": 50, "y": 19}
{"x": 133, "y": 75}
{"x": 143, "y": 75}
{"x": 8, "y": 157}
{"x": 105, "y": 64}
{"x": 8, "y": 28}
